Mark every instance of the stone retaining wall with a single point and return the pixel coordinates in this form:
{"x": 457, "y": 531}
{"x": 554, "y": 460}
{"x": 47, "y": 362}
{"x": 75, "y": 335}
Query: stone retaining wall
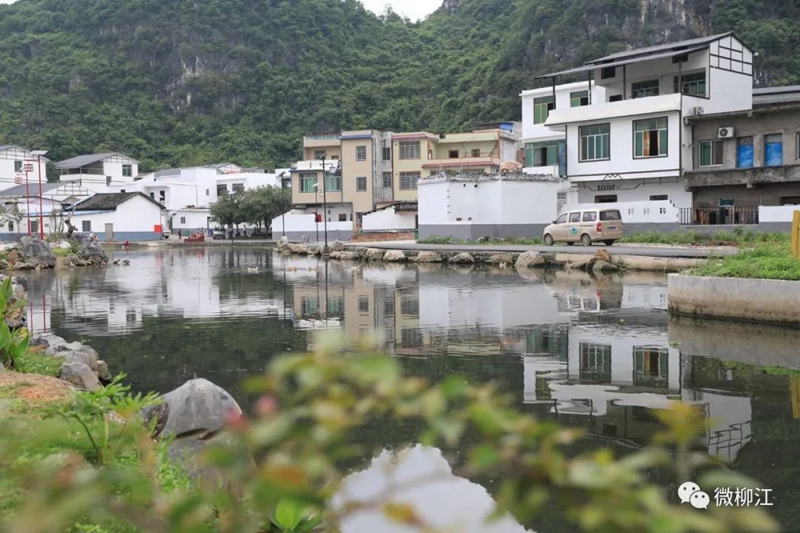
{"x": 756, "y": 300}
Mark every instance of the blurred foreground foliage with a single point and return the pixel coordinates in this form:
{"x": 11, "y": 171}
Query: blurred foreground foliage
{"x": 280, "y": 469}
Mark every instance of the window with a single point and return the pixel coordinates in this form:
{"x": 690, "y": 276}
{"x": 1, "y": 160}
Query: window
{"x": 319, "y": 154}
{"x": 574, "y": 217}
{"x": 615, "y": 98}
{"x": 409, "y": 150}
{"x": 773, "y": 150}
{"x": 86, "y": 225}
{"x": 541, "y": 154}
{"x": 658, "y": 197}
{"x": 162, "y": 196}
{"x": 108, "y": 181}
{"x": 207, "y": 191}
{"x": 237, "y": 187}
{"x": 650, "y": 366}
{"x": 408, "y": 180}
{"x": 692, "y": 84}
{"x": 361, "y": 184}
{"x": 363, "y": 304}
{"x": 452, "y": 154}
{"x": 542, "y": 107}
{"x": 123, "y": 191}
{"x": 335, "y": 305}
{"x": 476, "y": 152}
{"x": 342, "y": 217}
{"x": 785, "y": 200}
{"x": 183, "y": 220}
{"x": 590, "y": 216}
{"x": 221, "y": 189}
{"x": 744, "y": 152}
{"x": 650, "y": 138}
{"x": 411, "y": 338}
{"x": 595, "y": 362}
{"x": 579, "y": 98}
{"x": 387, "y": 180}
{"x": 10, "y": 225}
{"x": 562, "y": 219}
{"x": 34, "y": 226}
{"x": 387, "y": 154}
{"x": 127, "y": 170}
{"x": 641, "y": 89}
{"x": 608, "y": 72}
{"x": 797, "y": 145}
{"x": 152, "y": 196}
{"x": 605, "y": 199}
{"x": 595, "y": 142}
{"x": 333, "y": 183}
{"x": 308, "y": 182}
{"x": 710, "y": 153}
{"x": 17, "y": 166}
{"x": 610, "y": 214}
{"x": 409, "y": 306}
{"x": 309, "y": 305}
{"x": 361, "y": 153}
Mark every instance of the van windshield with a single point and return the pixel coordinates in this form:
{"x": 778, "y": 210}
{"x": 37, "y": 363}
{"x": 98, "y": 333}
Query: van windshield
{"x": 611, "y": 214}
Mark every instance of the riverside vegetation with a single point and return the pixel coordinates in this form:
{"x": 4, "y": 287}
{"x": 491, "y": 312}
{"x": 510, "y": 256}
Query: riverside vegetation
{"x": 86, "y": 462}
{"x": 764, "y": 261}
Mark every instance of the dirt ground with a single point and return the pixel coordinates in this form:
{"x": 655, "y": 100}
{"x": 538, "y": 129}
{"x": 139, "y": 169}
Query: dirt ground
{"x": 33, "y": 388}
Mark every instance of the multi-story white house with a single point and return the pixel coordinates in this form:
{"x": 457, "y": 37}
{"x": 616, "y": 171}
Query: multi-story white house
{"x": 18, "y": 165}
{"x": 99, "y": 172}
{"x": 626, "y": 138}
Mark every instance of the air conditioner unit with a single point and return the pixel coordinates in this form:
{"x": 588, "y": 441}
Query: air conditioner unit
{"x": 725, "y": 133}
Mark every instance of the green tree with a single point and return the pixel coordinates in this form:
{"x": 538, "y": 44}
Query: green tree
{"x": 263, "y": 204}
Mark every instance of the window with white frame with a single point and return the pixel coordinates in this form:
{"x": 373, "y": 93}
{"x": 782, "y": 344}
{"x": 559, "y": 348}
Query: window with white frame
{"x": 361, "y": 153}
{"x": 409, "y": 150}
{"x": 308, "y": 182}
{"x": 651, "y": 137}
{"x": 579, "y": 98}
{"x": 361, "y": 184}
{"x": 641, "y": 89}
{"x": 710, "y": 153}
{"x": 127, "y": 170}
{"x": 595, "y": 142}
{"x": 408, "y": 180}
{"x": 692, "y": 84}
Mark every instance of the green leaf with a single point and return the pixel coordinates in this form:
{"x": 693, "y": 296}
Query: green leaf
{"x": 288, "y": 514}
{"x": 375, "y": 369}
{"x": 454, "y": 387}
{"x": 484, "y": 456}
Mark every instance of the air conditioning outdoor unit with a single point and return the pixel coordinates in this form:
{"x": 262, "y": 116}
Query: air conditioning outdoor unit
{"x": 725, "y": 133}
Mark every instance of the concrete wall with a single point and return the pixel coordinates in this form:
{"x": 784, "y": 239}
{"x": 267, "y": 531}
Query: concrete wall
{"x": 190, "y": 220}
{"x": 761, "y": 195}
{"x": 755, "y": 300}
{"x": 635, "y": 190}
{"x": 771, "y": 214}
{"x": 135, "y": 219}
{"x": 302, "y": 226}
{"x": 389, "y": 220}
{"x": 538, "y": 132}
{"x": 661, "y": 212}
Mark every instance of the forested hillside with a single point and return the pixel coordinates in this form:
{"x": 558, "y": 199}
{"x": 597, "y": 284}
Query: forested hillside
{"x": 182, "y": 82}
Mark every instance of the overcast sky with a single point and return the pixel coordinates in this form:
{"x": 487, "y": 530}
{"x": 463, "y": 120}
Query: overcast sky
{"x": 413, "y": 9}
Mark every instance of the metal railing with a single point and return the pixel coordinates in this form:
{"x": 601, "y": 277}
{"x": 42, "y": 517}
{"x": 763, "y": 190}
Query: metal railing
{"x": 718, "y": 216}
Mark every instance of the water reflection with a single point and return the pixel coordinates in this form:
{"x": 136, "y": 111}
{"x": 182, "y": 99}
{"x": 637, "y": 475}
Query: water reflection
{"x": 593, "y": 352}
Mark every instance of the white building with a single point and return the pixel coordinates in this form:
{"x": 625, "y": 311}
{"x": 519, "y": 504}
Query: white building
{"x": 628, "y": 141}
{"x": 99, "y": 172}
{"x": 18, "y": 165}
{"x": 129, "y": 216}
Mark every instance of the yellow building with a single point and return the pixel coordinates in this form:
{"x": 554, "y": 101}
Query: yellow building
{"x": 317, "y": 146}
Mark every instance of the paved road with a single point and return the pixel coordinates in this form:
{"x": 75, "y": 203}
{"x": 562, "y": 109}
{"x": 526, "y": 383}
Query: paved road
{"x": 647, "y": 251}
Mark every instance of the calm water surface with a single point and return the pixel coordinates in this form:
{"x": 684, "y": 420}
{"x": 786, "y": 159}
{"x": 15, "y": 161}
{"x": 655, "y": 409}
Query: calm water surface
{"x": 597, "y": 353}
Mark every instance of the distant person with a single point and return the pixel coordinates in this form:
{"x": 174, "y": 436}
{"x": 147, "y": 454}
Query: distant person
{"x": 180, "y": 234}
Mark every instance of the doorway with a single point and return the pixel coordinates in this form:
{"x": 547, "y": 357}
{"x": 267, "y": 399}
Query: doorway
{"x": 109, "y": 232}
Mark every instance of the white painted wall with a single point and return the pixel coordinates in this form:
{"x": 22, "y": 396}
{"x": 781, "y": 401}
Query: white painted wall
{"x": 432, "y": 203}
{"x": 636, "y": 212}
{"x": 538, "y": 132}
{"x": 675, "y": 191}
{"x": 389, "y": 220}
{"x": 302, "y": 221}
{"x": 191, "y": 219}
{"x": 21, "y": 227}
{"x": 782, "y": 213}
{"x": 662, "y": 69}
{"x": 13, "y": 157}
{"x": 136, "y": 215}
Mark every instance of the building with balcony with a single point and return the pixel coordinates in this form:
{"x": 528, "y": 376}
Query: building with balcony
{"x": 630, "y": 141}
{"x": 99, "y": 172}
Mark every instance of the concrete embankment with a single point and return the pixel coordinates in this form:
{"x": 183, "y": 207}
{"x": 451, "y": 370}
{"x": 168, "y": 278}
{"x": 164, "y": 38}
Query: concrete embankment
{"x": 601, "y": 261}
{"x": 754, "y": 300}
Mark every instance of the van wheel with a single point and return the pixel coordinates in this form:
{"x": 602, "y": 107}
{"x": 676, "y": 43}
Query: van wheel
{"x": 609, "y": 242}
{"x": 548, "y": 240}
{"x": 586, "y": 240}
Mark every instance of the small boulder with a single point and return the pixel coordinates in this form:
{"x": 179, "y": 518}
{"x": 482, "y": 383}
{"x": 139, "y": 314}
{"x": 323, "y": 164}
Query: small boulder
{"x": 530, "y": 259}
{"x": 92, "y": 252}
{"x": 345, "y": 256}
{"x": 463, "y": 258}
{"x": 500, "y": 259}
{"x": 282, "y": 243}
{"x": 69, "y": 352}
{"x": 603, "y": 255}
{"x": 316, "y": 252}
{"x": 428, "y": 257}
{"x": 198, "y": 404}
{"x": 394, "y": 256}
{"x": 79, "y": 375}
{"x": 103, "y": 373}
{"x": 337, "y": 246}
{"x": 298, "y": 249}
{"x": 35, "y": 253}
{"x": 604, "y": 266}
{"x": 373, "y": 254}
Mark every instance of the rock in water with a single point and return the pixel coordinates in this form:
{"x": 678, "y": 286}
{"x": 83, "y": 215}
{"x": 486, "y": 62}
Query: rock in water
{"x": 374, "y": 254}
{"x": 92, "y": 252}
{"x": 36, "y": 253}
{"x": 337, "y": 246}
{"x": 79, "y": 375}
{"x": 462, "y": 259}
{"x": 428, "y": 257}
{"x": 530, "y": 259}
{"x": 198, "y": 404}
{"x": 394, "y": 256}
{"x": 70, "y": 352}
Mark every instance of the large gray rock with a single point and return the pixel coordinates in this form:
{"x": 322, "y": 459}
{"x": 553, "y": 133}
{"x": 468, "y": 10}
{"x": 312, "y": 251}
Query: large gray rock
{"x": 462, "y": 259}
{"x": 530, "y": 259}
{"x": 79, "y": 375}
{"x": 501, "y": 259}
{"x": 282, "y": 243}
{"x": 196, "y": 405}
{"x": 604, "y": 266}
{"x": 298, "y": 249}
{"x": 428, "y": 257}
{"x": 394, "y": 256}
{"x": 373, "y": 254}
{"x": 69, "y": 352}
{"x": 35, "y": 253}
{"x": 345, "y": 256}
{"x": 337, "y": 246}
{"x": 92, "y": 252}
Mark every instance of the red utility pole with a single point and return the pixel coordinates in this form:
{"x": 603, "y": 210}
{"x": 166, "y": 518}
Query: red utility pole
{"x": 27, "y": 199}
{"x": 41, "y": 209}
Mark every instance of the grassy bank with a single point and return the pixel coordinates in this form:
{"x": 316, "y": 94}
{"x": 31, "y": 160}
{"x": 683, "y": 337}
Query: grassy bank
{"x": 765, "y": 261}
{"x": 721, "y": 238}
{"x": 438, "y": 239}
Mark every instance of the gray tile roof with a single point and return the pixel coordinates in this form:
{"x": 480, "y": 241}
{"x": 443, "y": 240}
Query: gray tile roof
{"x": 84, "y": 160}
{"x": 32, "y": 189}
{"x": 666, "y": 47}
{"x": 628, "y": 61}
{"x": 109, "y": 201}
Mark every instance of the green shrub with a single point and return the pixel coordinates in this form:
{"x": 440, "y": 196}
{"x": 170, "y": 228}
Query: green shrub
{"x": 764, "y": 261}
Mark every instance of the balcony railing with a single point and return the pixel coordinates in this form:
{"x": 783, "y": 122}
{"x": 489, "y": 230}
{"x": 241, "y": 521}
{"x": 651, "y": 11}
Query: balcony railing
{"x": 719, "y": 216}
{"x": 325, "y": 137}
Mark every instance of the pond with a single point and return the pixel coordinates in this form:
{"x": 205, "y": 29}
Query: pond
{"x": 592, "y": 352}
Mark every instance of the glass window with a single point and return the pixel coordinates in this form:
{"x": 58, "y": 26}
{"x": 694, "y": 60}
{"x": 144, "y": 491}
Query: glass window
{"x": 221, "y": 189}
{"x": 651, "y": 138}
{"x": 590, "y": 216}
{"x": 387, "y": 180}
{"x": 17, "y": 166}
{"x": 387, "y": 154}
{"x": 541, "y": 154}
{"x": 183, "y": 220}
{"x": 333, "y": 183}
{"x": 574, "y": 217}
{"x": 361, "y": 153}
{"x": 692, "y": 84}
{"x": 408, "y": 180}
{"x": 658, "y": 197}
{"x": 363, "y": 304}
{"x": 710, "y": 153}
{"x": 127, "y": 170}
{"x": 409, "y": 306}
{"x": 335, "y": 305}
{"x": 595, "y": 362}
{"x": 86, "y": 225}
{"x": 452, "y": 154}
{"x": 309, "y": 305}
{"x": 595, "y": 142}
{"x": 237, "y": 187}
{"x": 319, "y": 154}
{"x": 562, "y": 219}
{"x": 361, "y": 184}
{"x": 605, "y": 199}
{"x": 308, "y": 182}
{"x": 773, "y": 150}
{"x": 342, "y": 217}
{"x": 744, "y": 152}
{"x": 608, "y": 72}
{"x": 641, "y": 89}
{"x": 610, "y": 214}
{"x": 579, "y": 98}
{"x": 542, "y": 107}
{"x": 409, "y": 150}
{"x": 476, "y": 152}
